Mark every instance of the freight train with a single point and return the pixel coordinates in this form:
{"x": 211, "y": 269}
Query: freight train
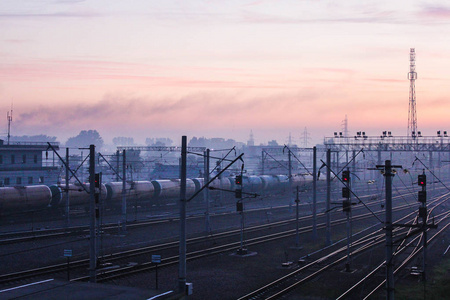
{"x": 155, "y": 192}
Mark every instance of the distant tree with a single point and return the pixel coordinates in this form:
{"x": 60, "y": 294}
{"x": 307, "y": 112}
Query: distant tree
{"x": 86, "y": 138}
{"x": 158, "y": 142}
{"x": 123, "y": 141}
{"x": 214, "y": 143}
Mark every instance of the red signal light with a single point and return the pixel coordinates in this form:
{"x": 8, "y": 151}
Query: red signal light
{"x": 97, "y": 180}
{"x": 422, "y": 180}
{"x": 345, "y": 176}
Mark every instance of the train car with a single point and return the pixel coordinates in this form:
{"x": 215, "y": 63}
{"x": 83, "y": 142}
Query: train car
{"x": 223, "y": 184}
{"x": 170, "y": 189}
{"x": 283, "y": 182}
{"x": 78, "y": 196}
{"x": 199, "y": 183}
{"x": 252, "y": 184}
{"x": 269, "y": 183}
{"x": 24, "y": 198}
{"x": 160, "y": 191}
{"x": 142, "y": 191}
{"x": 303, "y": 182}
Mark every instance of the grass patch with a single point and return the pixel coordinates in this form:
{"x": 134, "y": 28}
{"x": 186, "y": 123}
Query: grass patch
{"x": 437, "y": 287}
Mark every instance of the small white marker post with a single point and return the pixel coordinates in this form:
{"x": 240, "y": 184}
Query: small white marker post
{"x": 156, "y": 259}
{"x": 68, "y": 254}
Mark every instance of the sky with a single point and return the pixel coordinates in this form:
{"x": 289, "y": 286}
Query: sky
{"x": 151, "y": 68}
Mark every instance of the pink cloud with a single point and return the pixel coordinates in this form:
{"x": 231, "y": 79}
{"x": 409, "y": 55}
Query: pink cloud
{"x": 387, "y": 80}
{"x": 436, "y": 12}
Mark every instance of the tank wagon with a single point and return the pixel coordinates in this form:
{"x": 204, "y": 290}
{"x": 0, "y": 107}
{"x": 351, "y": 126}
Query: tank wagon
{"x": 25, "y": 198}
{"x": 78, "y": 197}
{"x": 147, "y": 193}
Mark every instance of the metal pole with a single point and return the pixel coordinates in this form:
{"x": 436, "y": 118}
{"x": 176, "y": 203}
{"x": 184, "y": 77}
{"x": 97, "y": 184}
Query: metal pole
{"x": 118, "y": 164}
{"x": 348, "y": 225}
{"x": 290, "y": 176}
{"x": 354, "y": 161}
{"x": 432, "y": 169}
{"x": 100, "y": 207}
{"x": 424, "y": 238}
{"x": 68, "y": 268}
{"x": 297, "y": 240}
{"x": 206, "y": 191}
{"x": 124, "y": 192}
{"x": 262, "y": 162}
{"x": 439, "y": 164}
{"x": 314, "y": 227}
{"x": 389, "y": 242}
{"x": 82, "y": 166}
{"x": 347, "y": 265}
{"x": 337, "y": 159}
{"x": 242, "y": 251}
{"x": 67, "y": 188}
{"x": 328, "y": 229}
{"x": 220, "y": 181}
{"x": 93, "y": 237}
{"x": 182, "y": 250}
{"x": 156, "y": 269}
{"x": 379, "y": 176}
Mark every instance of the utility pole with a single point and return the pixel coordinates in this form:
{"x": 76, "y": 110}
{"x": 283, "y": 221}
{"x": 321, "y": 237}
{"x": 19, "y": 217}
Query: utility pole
{"x": 290, "y": 174}
{"x": 262, "y": 162}
{"x": 67, "y": 189}
{"x": 206, "y": 191}
{"x": 314, "y": 227}
{"x": 92, "y": 227}
{"x": 347, "y": 208}
{"x": 297, "y": 236}
{"x": 124, "y": 192}
{"x": 117, "y": 164}
{"x": 388, "y": 223}
{"x": 182, "y": 246}
{"x": 389, "y": 227}
{"x": 328, "y": 226}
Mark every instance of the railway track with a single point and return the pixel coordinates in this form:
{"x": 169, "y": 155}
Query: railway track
{"x": 108, "y": 273}
{"x": 304, "y": 274}
{"x": 145, "y": 251}
{"x": 51, "y": 233}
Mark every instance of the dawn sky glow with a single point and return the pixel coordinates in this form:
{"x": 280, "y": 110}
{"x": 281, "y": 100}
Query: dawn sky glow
{"x": 222, "y": 68}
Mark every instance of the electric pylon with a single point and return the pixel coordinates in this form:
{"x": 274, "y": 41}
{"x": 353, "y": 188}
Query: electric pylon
{"x": 412, "y": 114}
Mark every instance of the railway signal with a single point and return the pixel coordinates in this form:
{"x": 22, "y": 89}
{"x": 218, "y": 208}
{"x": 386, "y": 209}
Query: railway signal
{"x": 238, "y": 190}
{"x": 422, "y": 180}
{"x": 423, "y": 196}
{"x": 345, "y": 192}
{"x": 346, "y": 176}
{"x": 347, "y": 209}
{"x": 97, "y": 180}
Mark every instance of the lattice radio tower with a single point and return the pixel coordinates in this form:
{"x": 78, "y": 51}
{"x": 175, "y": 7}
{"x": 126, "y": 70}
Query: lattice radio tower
{"x": 412, "y": 114}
